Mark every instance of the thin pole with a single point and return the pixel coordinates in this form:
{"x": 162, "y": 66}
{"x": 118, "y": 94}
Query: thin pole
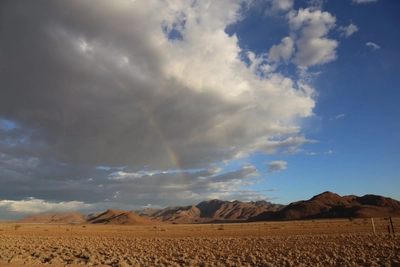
{"x": 373, "y": 225}
{"x": 391, "y": 223}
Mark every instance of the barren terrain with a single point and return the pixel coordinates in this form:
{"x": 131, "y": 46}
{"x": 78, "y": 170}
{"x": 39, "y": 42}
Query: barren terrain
{"x": 294, "y": 243}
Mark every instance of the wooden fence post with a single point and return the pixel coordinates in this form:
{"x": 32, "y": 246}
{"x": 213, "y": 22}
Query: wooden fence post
{"x": 391, "y": 223}
{"x": 373, "y": 225}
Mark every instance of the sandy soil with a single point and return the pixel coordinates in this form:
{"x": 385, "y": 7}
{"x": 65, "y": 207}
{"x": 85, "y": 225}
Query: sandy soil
{"x": 300, "y": 243}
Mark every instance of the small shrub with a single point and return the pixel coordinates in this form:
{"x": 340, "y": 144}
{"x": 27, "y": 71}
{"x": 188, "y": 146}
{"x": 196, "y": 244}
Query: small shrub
{"x": 16, "y": 227}
{"x": 221, "y": 227}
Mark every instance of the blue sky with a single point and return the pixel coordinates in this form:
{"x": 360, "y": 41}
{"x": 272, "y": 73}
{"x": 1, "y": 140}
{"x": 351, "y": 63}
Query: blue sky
{"x": 164, "y": 103}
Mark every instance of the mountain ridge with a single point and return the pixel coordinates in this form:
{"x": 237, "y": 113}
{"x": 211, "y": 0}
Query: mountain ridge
{"x": 331, "y": 205}
{"x": 324, "y": 205}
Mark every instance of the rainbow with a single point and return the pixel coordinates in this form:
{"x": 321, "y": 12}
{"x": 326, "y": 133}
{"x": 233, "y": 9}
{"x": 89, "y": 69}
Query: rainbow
{"x": 173, "y": 156}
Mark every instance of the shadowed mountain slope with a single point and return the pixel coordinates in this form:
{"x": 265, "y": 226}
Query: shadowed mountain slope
{"x": 117, "y": 217}
{"x": 331, "y": 205}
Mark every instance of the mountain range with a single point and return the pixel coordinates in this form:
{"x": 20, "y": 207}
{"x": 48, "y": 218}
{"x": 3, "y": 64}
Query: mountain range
{"x": 324, "y": 205}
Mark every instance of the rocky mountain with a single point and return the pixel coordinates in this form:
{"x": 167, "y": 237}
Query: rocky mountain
{"x": 331, "y": 205}
{"x": 267, "y": 205}
{"x": 212, "y": 210}
{"x": 117, "y": 217}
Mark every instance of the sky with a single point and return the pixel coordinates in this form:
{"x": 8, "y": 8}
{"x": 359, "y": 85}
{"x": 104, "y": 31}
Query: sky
{"x": 132, "y": 104}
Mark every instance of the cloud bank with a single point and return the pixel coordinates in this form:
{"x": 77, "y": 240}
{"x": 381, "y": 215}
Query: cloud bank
{"x": 144, "y": 101}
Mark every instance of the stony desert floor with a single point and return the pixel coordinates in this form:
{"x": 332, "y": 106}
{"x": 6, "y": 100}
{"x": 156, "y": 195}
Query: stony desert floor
{"x": 295, "y": 243}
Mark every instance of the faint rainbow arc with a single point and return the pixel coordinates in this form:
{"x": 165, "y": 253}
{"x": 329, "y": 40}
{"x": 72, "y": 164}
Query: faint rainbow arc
{"x": 174, "y": 157}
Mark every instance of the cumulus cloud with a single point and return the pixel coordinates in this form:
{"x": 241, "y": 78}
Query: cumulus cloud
{"x": 111, "y": 95}
{"x": 373, "y": 46}
{"x": 282, "y": 51}
{"x": 155, "y": 92}
{"x": 349, "y": 30}
{"x": 313, "y": 45}
{"x": 276, "y": 166}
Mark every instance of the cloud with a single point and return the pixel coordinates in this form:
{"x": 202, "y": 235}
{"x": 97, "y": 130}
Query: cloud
{"x": 282, "y": 4}
{"x": 340, "y": 116}
{"x": 329, "y": 152}
{"x": 276, "y": 166}
{"x": 364, "y": 1}
{"x": 277, "y": 7}
{"x": 312, "y": 27}
{"x": 139, "y": 101}
{"x": 349, "y": 30}
{"x": 310, "y": 153}
{"x": 32, "y": 205}
{"x": 373, "y": 46}
{"x": 282, "y": 51}
{"x": 120, "y": 96}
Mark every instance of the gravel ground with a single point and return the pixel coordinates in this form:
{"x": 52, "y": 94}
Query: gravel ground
{"x": 219, "y": 245}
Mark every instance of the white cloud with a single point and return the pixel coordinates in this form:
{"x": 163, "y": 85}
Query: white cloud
{"x": 329, "y": 152}
{"x": 313, "y": 46}
{"x": 276, "y": 166}
{"x": 282, "y": 4}
{"x": 282, "y": 51}
{"x": 286, "y": 146}
{"x": 340, "y": 116}
{"x": 278, "y": 7}
{"x": 364, "y": 1}
{"x": 349, "y": 30}
{"x": 33, "y": 205}
{"x": 373, "y": 46}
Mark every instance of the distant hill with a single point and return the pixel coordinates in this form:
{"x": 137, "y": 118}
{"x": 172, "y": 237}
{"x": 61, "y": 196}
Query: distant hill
{"x": 211, "y": 210}
{"x": 117, "y": 217}
{"x": 72, "y": 217}
{"x": 331, "y": 205}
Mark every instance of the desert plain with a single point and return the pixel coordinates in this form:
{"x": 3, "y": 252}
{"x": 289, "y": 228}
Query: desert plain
{"x": 336, "y": 242}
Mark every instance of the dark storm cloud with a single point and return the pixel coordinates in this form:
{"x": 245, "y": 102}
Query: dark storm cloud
{"x": 85, "y": 84}
{"x": 92, "y": 112}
